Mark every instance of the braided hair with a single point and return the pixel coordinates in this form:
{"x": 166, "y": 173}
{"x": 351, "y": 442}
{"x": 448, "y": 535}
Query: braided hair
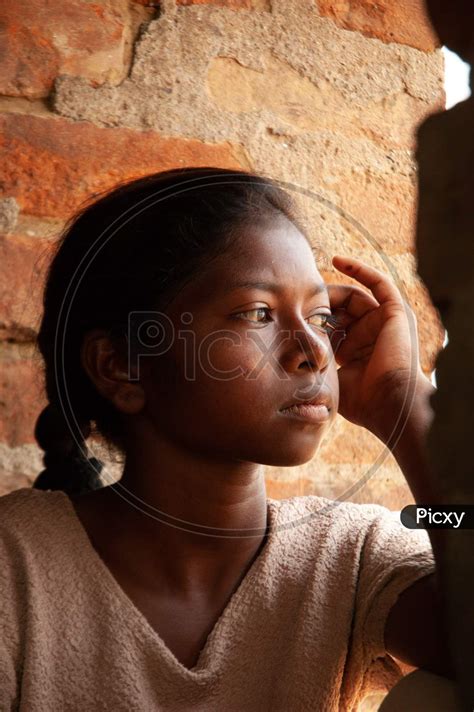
{"x": 131, "y": 249}
{"x": 63, "y": 452}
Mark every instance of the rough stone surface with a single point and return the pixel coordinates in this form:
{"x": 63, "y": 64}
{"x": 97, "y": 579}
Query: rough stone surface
{"x": 371, "y": 104}
{"x": 78, "y": 160}
{"x": 19, "y": 466}
{"x": 22, "y": 105}
{"x": 8, "y": 214}
{"x": 403, "y": 21}
{"x": 21, "y": 393}
{"x": 41, "y": 40}
{"x": 174, "y": 62}
{"x": 231, "y": 4}
{"x": 24, "y": 259}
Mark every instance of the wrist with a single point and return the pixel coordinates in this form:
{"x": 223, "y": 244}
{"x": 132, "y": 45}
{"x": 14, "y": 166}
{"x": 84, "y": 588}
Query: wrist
{"x": 404, "y": 401}
{"x": 403, "y": 426}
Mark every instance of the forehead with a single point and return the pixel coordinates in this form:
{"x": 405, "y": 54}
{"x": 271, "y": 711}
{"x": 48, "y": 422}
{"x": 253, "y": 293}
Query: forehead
{"x": 276, "y": 253}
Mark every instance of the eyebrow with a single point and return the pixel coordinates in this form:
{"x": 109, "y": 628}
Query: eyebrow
{"x": 318, "y": 288}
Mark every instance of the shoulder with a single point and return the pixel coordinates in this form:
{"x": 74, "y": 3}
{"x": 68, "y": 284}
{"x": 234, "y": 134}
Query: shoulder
{"x": 36, "y": 539}
{"x": 29, "y": 518}
{"x": 17, "y": 506}
{"x": 26, "y": 497}
{"x": 322, "y": 513}
{"x": 369, "y": 533}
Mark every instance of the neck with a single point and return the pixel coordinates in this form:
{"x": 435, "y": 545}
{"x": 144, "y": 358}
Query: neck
{"x": 191, "y": 518}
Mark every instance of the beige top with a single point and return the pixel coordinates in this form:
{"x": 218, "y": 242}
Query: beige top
{"x": 303, "y": 631}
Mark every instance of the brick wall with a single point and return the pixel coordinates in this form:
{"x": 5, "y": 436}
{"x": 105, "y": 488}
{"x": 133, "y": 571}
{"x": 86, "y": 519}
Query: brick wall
{"x": 324, "y": 95}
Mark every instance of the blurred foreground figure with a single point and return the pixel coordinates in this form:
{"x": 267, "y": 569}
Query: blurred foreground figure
{"x": 422, "y": 690}
{"x": 445, "y": 252}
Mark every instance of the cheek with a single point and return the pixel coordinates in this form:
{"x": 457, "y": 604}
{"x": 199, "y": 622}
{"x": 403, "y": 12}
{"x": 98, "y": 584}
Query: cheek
{"x": 219, "y": 376}
{"x": 230, "y": 357}
{"x": 237, "y": 391}
{"x": 332, "y": 382}
{"x": 236, "y": 378}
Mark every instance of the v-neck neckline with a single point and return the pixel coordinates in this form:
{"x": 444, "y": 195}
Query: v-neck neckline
{"x": 205, "y": 664}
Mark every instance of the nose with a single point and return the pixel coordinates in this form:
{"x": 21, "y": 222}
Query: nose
{"x": 307, "y": 347}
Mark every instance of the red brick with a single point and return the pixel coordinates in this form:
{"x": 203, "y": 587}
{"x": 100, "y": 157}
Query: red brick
{"x": 349, "y": 443}
{"x": 51, "y": 165}
{"x": 403, "y": 21}
{"x": 21, "y": 394}
{"x": 281, "y": 489}
{"x": 43, "y": 39}
{"x": 24, "y": 260}
{"x": 386, "y": 487}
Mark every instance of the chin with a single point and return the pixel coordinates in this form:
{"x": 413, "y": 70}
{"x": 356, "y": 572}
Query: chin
{"x": 293, "y": 455}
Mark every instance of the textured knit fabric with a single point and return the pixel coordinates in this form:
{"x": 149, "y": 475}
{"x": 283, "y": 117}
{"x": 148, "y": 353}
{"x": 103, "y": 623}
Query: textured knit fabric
{"x": 303, "y": 631}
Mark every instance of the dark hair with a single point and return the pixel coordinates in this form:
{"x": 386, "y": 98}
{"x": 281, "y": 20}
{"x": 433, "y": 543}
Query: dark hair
{"x": 131, "y": 249}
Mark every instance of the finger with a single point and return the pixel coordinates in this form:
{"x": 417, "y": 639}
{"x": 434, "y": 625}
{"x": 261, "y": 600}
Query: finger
{"x": 337, "y": 339}
{"x": 354, "y": 300}
{"x": 360, "y": 336}
{"x": 381, "y": 286}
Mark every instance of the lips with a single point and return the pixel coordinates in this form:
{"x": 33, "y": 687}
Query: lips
{"x": 323, "y": 397}
{"x": 316, "y": 414}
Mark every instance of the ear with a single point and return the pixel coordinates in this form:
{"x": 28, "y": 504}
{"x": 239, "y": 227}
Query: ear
{"x": 108, "y": 369}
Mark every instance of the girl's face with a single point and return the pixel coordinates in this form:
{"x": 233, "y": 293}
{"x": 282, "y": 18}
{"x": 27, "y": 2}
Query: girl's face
{"x": 239, "y": 354}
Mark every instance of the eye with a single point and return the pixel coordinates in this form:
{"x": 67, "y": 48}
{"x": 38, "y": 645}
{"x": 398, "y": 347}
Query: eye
{"x": 326, "y": 322}
{"x": 253, "y": 311}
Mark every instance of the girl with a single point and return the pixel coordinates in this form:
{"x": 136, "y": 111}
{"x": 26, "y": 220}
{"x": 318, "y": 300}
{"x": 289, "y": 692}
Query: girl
{"x": 186, "y": 320}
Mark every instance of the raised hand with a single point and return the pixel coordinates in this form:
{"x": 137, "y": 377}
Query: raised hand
{"x": 378, "y": 358}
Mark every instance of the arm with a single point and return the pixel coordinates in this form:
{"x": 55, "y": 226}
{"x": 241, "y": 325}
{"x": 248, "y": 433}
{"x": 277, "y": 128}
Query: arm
{"x": 402, "y": 424}
{"x": 414, "y": 631}
{"x": 379, "y": 368}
